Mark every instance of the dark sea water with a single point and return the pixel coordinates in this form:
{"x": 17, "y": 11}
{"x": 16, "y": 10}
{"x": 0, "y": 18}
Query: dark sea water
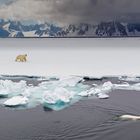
{"x": 88, "y": 119}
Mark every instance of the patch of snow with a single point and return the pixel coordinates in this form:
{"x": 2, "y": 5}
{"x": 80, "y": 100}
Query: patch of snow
{"x": 6, "y": 26}
{"x": 30, "y": 34}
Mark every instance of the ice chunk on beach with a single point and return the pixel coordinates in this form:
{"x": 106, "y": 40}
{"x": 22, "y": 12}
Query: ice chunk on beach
{"x": 16, "y": 101}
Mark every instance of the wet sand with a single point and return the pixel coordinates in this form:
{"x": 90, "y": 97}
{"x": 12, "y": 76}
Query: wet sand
{"x": 89, "y": 119}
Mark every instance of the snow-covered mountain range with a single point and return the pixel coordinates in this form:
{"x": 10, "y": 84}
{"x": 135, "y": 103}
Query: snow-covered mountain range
{"x": 103, "y": 29}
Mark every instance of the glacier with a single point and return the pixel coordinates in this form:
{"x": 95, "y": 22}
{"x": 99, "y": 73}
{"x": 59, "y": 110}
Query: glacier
{"x": 56, "y": 93}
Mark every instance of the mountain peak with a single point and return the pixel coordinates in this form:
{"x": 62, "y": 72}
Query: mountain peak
{"x": 103, "y": 29}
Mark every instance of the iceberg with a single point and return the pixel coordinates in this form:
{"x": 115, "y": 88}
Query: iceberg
{"x": 129, "y": 117}
{"x": 3, "y": 93}
{"x": 102, "y": 96}
{"x": 129, "y": 79}
{"x": 58, "y": 95}
{"x": 122, "y": 86}
{"x": 107, "y": 86}
{"x": 59, "y": 98}
{"x": 98, "y": 91}
{"x": 10, "y": 88}
{"x": 127, "y": 86}
{"x": 70, "y": 81}
{"x": 56, "y": 92}
{"x": 16, "y": 101}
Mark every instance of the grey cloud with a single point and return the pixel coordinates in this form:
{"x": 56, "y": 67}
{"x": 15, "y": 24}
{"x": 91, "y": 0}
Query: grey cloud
{"x": 72, "y": 11}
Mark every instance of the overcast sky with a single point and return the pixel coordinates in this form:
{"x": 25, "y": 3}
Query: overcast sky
{"x": 70, "y": 11}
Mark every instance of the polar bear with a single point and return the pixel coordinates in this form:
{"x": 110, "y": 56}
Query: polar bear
{"x": 21, "y": 58}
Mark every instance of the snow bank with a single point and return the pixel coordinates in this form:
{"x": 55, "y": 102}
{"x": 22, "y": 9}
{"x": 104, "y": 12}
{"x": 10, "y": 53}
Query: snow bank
{"x": 63, "y": 57}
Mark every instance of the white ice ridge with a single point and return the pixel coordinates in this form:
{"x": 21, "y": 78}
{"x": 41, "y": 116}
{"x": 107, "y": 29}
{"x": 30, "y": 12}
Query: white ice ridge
{"x": 59, "y": 92}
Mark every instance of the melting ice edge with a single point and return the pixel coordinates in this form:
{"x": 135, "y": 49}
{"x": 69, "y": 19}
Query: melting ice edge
{"x": 58, "y": 93}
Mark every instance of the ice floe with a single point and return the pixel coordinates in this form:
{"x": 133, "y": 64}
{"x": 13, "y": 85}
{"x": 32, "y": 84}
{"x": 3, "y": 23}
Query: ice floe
{"x": 16, "y": 101}
{"x": 70, "y": 81}
{"x": 129, "y": 117}
{"x": 7, "y": 87}
{"x": 52, "y": 91}
{"x": 129, "y": 78}
{"x": 99, "y": 91}
{"x": 127, "y": 86}
{"x": 57, "y": 93}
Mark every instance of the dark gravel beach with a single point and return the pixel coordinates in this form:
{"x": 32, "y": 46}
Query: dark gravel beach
{"x": 88, "y": 119}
